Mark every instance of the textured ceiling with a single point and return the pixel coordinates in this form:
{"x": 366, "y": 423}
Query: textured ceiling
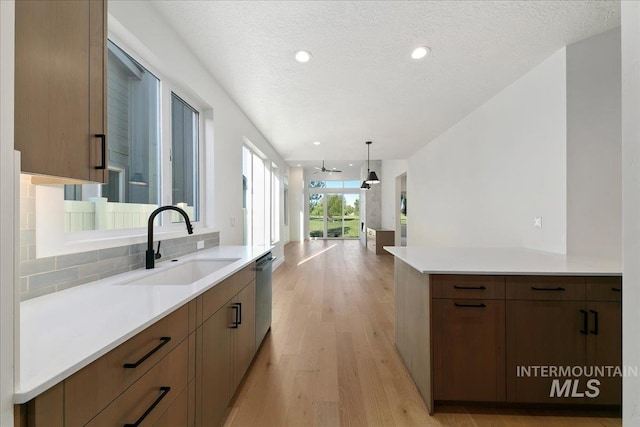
{"x": 361, "y": 83}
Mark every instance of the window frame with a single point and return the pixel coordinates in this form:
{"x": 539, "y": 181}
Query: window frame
{"x": 50, "y": 234}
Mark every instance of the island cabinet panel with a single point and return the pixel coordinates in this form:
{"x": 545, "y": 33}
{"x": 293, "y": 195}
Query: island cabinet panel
{"x": 413, "y": 333}
{"x": 468, "y": 350}
{"x": 545, "y": 288}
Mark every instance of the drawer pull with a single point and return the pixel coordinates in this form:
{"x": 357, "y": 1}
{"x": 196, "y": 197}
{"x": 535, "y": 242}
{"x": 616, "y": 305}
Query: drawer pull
{"x": 616, "y": 289}
{"x": 236, "y": 320}
{"x": 585, "y": 323}
{"x": 469, "y": 305}
{"x": 164, "y": 341}
{"x": 594, "y": 331}
{"x": 559, "y": 288}
{"x": 471, "y": 288}
{"x": 165, "y": 391}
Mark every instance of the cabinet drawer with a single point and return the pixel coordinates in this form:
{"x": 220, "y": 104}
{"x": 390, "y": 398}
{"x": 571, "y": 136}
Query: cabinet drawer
{"x": 244, "y": 277}
{"x": 604, "y": 288}
{"x": 467, "y": 287}
{"x": 216, "y": 297}
{"x": 547, "y": 288}
{"x": 91, "y": 389}
{"x": 160, "y": 386}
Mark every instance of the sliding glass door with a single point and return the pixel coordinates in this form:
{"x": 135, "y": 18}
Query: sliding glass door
{"x": 333, "y": 215}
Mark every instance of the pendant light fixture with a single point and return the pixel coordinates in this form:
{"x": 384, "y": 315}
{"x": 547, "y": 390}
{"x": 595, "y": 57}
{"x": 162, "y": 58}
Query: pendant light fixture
{"x": 372, "y": 178}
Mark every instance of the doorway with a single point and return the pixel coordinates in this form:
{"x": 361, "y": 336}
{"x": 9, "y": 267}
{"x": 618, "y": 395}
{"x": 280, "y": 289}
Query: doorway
{"x": 401, "y": 210}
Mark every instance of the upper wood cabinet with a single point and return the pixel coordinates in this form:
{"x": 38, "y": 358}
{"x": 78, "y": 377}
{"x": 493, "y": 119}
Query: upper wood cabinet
{"x": 60, "y": 88}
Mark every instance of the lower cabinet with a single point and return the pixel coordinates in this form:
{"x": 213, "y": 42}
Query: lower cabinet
{"x": 181, "y": 371}
{"x": 468, "y": 350}
{"x": 227, "y": 346}
{"x": 541, "y": 333}
{"x": 526, "y": 339}
{"x": 213, "y": 383}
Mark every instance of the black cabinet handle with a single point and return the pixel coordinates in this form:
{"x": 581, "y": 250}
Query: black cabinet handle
{"x": 616, "y": 289}
{"x": 585, "y": 323}
{"x": 236, "y": 320}
{"x": 469, "y": 305}
{"x": 473, "y": 288}
{"x": 240, "y": 313}
{"x": 164, "y": 341}
{"x": 103, "y": 147}
{"x": 558, "y": 289}
{"x": 165, "y": 391}
{"x": 594, "y": 331}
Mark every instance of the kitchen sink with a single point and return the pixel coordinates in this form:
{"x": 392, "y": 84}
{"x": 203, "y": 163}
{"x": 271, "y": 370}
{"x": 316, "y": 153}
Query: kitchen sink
{"x": 185, "y": 273}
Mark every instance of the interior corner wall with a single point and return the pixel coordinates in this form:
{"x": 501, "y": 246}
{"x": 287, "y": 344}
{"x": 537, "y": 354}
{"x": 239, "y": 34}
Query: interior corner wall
{"x": 391, "y": 169}
{"x": 594, "y": 144}
{"x": 482, "y": 182}
{"x": 630, "y": 19}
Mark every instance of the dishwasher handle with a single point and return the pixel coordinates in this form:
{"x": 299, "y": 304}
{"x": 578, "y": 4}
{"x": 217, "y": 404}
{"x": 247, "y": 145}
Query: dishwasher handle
{"x": 264, "y": 265}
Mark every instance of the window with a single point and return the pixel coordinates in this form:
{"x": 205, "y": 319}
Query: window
{"x": 261, "y": 199}
{"x": 137, "y": 176}
{"x": 184, "y": 157}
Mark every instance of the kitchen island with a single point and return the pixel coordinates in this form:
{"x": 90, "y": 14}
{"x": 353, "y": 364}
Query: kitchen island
{"x": 504, "y": 325}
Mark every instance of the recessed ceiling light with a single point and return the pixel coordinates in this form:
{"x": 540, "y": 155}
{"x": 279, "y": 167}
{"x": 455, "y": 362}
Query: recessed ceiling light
{"x": 316, "y": 142}
{"x": 420, "y": 52}
{"x": 298, "y": 165}
{"x": 303, "y": 56}
{"x": 350, "y": 164}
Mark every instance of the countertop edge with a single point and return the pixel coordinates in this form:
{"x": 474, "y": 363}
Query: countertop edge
{"x": 21, "y": 396}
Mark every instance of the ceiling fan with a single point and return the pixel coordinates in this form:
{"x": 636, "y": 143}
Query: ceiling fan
{"x": 323, "y": 169}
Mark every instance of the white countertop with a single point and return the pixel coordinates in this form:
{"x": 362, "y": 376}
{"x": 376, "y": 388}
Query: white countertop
{"x": 509, "y": 261}
{"x": 63, "y": 332}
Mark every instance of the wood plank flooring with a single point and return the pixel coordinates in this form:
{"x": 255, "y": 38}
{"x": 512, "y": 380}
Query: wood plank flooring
{"x": 330, "y": 360}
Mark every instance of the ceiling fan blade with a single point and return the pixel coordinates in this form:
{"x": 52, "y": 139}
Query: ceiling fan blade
{"x": 335, "y": 170}
{"x": 318, "y": 168}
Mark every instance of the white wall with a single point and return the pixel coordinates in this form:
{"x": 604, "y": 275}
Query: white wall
{"x": 482, "y": 182}
{"x": 631, "y": 207}
{"x": 391, "y": 169}
{"x": 296, "y": 204}
{"x": 158, "y": 44}
{"x": 594, "y": 144}
{"x": 7, "y": 213}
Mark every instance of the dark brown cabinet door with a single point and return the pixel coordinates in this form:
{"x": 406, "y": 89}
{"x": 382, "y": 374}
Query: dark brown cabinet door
{"x": 60, "y": 87}
{"x": 213, "y": 386}
{"x": 604, "y": 348}
{"x": 469, "y": 353}
{"x": 543, "y": 334}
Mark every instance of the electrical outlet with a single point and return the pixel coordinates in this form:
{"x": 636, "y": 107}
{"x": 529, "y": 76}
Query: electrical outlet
{"x": 200, "y": 244}
{"x": 537, "y": 222}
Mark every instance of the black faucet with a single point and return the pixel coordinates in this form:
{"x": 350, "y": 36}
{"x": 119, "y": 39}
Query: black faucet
{"x": 151, "y": 255}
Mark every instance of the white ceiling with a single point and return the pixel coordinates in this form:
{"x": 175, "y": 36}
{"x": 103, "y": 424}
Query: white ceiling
{"x": 361, "y": 83}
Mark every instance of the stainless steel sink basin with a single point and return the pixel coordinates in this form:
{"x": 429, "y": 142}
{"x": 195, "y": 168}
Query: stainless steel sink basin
{"x": 184, "y": 273}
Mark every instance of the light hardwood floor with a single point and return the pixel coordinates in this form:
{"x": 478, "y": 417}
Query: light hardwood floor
{"x": 330, "y": 360}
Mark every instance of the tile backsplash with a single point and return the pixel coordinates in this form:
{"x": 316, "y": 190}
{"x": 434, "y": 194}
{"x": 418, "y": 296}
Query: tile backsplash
{"x": 41, "y": 276}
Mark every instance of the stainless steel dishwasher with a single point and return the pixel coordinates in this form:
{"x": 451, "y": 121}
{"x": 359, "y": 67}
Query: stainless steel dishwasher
{"x": 263, "y": 296}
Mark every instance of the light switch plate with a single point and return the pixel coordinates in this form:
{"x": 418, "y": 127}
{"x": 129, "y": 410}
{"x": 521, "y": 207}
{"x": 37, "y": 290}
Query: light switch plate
{"x": 537, "y": 222}
{"x": 200, "y": 244}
